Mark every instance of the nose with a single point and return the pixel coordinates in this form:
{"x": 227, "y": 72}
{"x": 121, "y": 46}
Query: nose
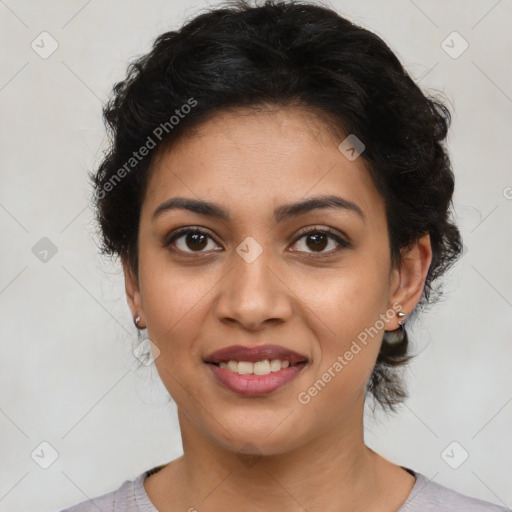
{"x": 253, "y": 295}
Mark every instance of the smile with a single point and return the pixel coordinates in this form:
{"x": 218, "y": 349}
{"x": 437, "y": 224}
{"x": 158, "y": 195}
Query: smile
{"x": 257, "y": 368}
{"x": 244, "y": 379}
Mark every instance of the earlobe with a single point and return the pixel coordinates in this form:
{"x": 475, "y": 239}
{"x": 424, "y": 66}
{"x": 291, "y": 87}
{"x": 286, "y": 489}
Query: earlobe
{"x": 133, "y": 297}
{"x": 409, "y": 279}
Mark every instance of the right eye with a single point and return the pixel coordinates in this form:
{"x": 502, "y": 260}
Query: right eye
{"x": 188, "y": 238}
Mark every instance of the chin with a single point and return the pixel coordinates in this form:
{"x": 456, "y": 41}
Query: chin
{"x": 270, "y": 438}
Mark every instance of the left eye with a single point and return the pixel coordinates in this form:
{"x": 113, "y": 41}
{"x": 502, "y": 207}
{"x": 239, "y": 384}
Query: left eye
{"x": 318, "y": 239}
{"x": 197, "y": 240}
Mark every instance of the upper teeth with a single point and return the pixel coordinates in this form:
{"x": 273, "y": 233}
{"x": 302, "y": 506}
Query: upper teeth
{"x": 259, "y": 368}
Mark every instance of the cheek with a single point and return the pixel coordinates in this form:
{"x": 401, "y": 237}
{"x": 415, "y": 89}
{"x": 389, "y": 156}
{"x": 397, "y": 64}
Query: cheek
{"x": 351, "y": 303}
{"x": 338, "y": 310}
{"x": 351, "y": 298}
{"x": 345, "y": 359}
{"x": 175, "y": 300}
{"x": 175, "y": 306}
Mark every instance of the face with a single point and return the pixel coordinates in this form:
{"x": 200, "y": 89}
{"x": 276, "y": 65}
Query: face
{"x": 311, "y": 281}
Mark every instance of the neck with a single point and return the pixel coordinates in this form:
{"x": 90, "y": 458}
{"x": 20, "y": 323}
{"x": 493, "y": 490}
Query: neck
{"x": 334, "y": 471}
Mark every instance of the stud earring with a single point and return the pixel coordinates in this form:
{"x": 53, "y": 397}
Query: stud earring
{"x": 401, "y": 323}
{"x": 136, "y": 321}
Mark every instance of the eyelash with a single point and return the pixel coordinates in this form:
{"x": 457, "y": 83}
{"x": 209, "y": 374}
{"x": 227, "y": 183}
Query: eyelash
{"x": 343, "y": 244}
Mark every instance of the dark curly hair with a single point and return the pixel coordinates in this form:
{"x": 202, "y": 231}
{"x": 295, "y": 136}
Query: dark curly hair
{"x": 287, "y": 53}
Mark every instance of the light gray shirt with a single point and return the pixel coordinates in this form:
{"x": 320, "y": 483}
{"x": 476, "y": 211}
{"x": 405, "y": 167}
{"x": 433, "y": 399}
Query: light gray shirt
{"x": 425, "y": 496}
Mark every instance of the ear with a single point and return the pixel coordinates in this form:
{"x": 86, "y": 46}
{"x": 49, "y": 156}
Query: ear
{"x": 133, "y": 297}
{"x": 408, "y": 281}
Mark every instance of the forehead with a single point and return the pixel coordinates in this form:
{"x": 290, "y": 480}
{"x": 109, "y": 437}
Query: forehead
{"x": 254, "y": 161}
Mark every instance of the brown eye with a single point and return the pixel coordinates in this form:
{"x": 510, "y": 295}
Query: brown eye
{"x": 189, "y": 240}
{"x": 316, "y": 240}
{"x": 196, "y": 241}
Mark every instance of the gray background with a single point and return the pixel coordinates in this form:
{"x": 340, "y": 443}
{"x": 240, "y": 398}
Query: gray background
{"x": 68, "y": 376}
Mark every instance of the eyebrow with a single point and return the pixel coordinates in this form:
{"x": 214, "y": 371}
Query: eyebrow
{"x": 281, "y": 213}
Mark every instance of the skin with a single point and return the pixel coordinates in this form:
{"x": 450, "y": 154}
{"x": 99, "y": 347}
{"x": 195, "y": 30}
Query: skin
{"x": 308, "y": 456}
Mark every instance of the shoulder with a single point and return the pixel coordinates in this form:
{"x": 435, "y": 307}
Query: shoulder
{"x": 129, "y": 497}
{"x": 428, "y": 496}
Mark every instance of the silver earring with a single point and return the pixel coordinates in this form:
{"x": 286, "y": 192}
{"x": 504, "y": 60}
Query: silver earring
{"x": 136, "y": 321}
{"x": 397, "y": 335}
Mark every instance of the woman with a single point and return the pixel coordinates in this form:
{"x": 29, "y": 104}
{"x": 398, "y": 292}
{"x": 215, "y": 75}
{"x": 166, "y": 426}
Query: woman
{"x": 280, "y": 197}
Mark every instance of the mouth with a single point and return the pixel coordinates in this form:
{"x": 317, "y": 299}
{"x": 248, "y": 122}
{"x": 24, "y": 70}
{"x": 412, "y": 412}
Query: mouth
{"x": 254, "y": 371}
{"x": 264, "y": 367}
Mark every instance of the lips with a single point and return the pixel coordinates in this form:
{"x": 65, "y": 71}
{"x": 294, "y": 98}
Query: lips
{"x": 258, "y": 383}
{"x": 254, "y": 354}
